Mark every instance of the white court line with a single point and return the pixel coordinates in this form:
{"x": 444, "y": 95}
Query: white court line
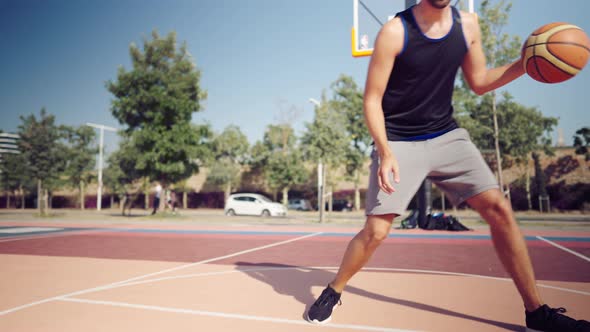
{"x": 377, "y": 269}
{"x": 564, "y": 248}
{"x": 43, "y": 236}
{"x": 20, "y": 229}
{"x": 234, "y": 316}
{"x": 89, "y": 290}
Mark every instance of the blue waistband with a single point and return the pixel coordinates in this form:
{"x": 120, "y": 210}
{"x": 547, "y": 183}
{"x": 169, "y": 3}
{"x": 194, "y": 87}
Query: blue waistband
{"x": 425, "y": 136}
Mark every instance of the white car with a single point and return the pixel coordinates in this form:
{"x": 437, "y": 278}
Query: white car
{"x": 253, "y": 204}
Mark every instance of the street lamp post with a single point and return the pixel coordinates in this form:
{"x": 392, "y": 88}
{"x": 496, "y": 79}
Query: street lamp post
{"x": 321, "y": 176}
{"x": 100, "y": 148}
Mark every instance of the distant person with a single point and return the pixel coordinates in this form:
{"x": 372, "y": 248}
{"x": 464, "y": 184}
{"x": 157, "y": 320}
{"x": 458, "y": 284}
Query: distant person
{"x": 409, "y": 114}
{"x": 126, "y": 198}
{"x": 157, "y": 195}
{"x": 172, "y": 201}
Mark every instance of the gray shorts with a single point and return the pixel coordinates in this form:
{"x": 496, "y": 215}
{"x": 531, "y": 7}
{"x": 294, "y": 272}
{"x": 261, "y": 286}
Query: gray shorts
{"x": 451, "y": 161}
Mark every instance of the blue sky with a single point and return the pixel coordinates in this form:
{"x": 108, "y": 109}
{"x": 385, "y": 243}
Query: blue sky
{"x": 256, "y": 57}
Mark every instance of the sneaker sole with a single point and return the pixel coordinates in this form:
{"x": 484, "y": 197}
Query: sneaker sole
{"x": 325, "y": 321}
{"x": 317, "y": 322}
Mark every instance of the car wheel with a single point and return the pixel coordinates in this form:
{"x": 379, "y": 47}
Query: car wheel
{"x": 230, "y": 212}
{"x": 266, "y": 213}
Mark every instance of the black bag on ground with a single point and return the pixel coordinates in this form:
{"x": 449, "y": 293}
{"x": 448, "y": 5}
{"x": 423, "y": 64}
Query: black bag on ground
{"x": 436, "y": 221}
{"x": 411, "y": 221}
{"x": 441, "y": 222}
{"x": 456, "y": 225}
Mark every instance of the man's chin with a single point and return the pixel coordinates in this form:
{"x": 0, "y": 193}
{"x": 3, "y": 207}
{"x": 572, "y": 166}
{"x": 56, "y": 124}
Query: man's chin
{"x": 439, "y": 4}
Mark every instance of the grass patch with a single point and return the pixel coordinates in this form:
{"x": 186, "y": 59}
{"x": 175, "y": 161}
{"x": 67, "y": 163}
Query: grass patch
{"x": 49, "y": 215}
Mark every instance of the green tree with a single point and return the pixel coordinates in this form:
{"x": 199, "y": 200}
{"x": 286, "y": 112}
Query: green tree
{"x": 325, "y": 141}
{"x": 14, "y": 177}
{"x": 471, "y": 115}
{"x": 254, "y": 176}
{"x": 499, "y": 49}
{"x": 284, "y": 170}
{"x": 348, "y": 99}
{"x": 183, "y": 187}
{"x": 279, "y": 159}
{"x": 155, "y": 100}
{"x": 43, "y": 150}
{"x": 582, "y": 141}
{"x": 121, "y": 175}
{"x": 81, "y": 159}
{"x": 110, "y": 177}
{"x": 525, "y": 131}
{"x": 230, "y": 152}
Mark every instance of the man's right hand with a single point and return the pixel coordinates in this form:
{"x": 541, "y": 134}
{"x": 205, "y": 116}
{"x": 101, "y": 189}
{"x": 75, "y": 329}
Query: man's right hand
{"x": 387, "y": 166}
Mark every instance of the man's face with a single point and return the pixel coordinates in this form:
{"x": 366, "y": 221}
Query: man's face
{"x": 440, "y": 4}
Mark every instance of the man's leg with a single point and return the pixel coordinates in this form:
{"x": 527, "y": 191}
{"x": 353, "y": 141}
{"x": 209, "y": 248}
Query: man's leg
{"x": 359, "y": 251}
{"x": 156, "y": 205}
{"x": 509, "y": 243}
{"x": 361, "y": 248}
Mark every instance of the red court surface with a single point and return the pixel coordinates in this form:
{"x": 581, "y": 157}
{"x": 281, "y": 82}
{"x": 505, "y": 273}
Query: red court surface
{"x": 155, "y": 277}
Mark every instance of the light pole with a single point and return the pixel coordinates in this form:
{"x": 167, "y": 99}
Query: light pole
{"x": 100, "y": 148}
{"x": 321, "y": 177}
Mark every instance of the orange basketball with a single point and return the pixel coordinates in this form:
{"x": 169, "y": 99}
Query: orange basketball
{"x": 555, "y": 52}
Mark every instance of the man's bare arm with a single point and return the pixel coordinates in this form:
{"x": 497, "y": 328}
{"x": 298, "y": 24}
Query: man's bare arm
{"x": 478, "y": 76}
{"x": 389, "y": 43}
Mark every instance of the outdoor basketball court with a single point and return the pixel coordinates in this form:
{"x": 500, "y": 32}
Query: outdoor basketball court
{"x": 228, "y": 277}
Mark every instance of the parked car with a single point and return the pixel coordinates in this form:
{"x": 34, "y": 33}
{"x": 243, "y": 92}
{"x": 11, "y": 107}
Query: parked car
{"x": 253, "y": 204}
{"x": 340, "y": 205}
{"x": 299, "y": 204}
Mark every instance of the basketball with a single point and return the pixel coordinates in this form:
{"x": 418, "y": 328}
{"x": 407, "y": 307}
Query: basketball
{"x": 555, "y": 52}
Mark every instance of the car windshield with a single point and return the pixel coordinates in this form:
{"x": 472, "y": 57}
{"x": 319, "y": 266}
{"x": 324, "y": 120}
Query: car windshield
{"x": 264, "y": 199}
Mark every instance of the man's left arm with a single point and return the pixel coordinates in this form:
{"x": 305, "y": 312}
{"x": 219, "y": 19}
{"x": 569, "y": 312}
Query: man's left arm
{"x": 478, "y": 76}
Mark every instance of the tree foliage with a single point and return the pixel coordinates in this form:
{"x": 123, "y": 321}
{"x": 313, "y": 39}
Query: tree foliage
{"x": 44, "y": 152}
{"x": 81, "y": 156}
{"x": 230, "y": 153}
{"x": 155, "y": 100}
{"x": 14, "y": 176}
{"x": 499, "y": 48}
{"x": 522, "y": 129}
{"x": 120, "y": 175}
{"x": 278, "y": 158}
{"x": 348, "y": 100}
{"x": 325, "y": 138}
{"x": 582, "y": 142}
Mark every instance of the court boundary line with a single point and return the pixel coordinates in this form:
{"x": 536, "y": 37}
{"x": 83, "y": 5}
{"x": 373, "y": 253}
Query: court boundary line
{"x": 107, "y": 286}
{"x": 50, "y": 235}
{"x": 564, "y": 248}
{"x": 319, "y": 268}
{"x": 230, "y": 315}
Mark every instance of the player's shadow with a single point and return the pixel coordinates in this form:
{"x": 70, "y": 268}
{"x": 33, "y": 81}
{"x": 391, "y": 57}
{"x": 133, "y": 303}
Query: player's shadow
{"x": 298, "y": 283}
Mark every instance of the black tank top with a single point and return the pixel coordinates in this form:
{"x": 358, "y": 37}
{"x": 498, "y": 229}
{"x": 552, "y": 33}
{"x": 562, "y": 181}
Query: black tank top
{"x": 417, "y": 100}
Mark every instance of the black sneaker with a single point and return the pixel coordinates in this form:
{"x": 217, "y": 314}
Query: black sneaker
{"x": 321, "y": 311}
{"x": 546, "y": 319}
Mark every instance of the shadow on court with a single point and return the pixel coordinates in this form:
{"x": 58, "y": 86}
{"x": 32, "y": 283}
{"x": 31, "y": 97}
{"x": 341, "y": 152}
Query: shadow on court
{"x": 300, "y": 280}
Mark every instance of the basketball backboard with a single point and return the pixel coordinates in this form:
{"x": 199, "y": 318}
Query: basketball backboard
{"x": 370, "y": 15}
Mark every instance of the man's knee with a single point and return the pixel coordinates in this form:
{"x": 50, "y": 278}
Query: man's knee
{"x": 494, "y": 208}
{"x": 377, "y": 228}
{"x": 376, "y": 236}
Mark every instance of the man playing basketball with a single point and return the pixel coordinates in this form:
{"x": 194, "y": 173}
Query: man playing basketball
{"x": 407, "y": 105}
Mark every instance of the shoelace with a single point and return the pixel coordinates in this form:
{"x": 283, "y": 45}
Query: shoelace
{"x": 555, "y": 315}
{"x": 559, "y": 310}
{"x": 330, "y": 299}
